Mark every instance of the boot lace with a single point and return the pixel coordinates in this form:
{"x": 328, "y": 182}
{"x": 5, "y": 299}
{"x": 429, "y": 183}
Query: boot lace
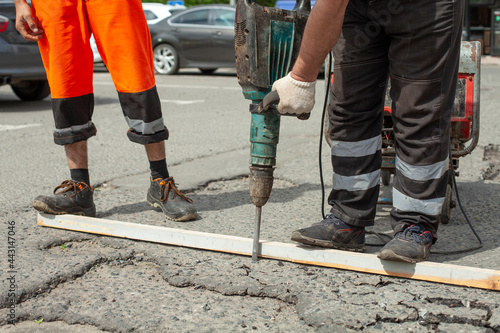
{"x": 66, "y": 186}
{"x": 414, "y": 232}
{"x": 166, "y": 186}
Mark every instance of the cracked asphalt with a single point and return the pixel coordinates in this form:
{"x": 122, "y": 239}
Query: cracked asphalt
{"x": 69, "y": 281}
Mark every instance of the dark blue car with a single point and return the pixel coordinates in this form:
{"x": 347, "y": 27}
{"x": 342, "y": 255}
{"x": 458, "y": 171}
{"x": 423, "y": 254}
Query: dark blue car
{"x": 20, "y": 62}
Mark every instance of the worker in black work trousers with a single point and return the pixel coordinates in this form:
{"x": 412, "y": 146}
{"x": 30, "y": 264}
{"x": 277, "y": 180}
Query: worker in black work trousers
{"x": 417, "y": 45}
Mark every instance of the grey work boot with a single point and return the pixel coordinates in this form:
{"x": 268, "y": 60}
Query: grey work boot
{"x": 69, "y": 198}
{"x": 333, "y": 233}
{"x": 165, "y": 195}
{"x": 410, "y": 245}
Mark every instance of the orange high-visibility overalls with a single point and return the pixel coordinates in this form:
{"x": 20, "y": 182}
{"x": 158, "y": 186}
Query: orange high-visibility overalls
{"x": 124, "y": 42}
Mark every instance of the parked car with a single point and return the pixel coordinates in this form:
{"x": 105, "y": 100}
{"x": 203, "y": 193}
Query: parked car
{"x": 95, "y": 51}
{"x": 20, "y": 62}
{"x": 199, "y": 37}
{"x": 154, "y": 13}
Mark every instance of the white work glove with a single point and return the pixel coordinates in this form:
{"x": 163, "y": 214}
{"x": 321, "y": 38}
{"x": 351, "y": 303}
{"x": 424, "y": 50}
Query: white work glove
{"x": 296, "y": 97}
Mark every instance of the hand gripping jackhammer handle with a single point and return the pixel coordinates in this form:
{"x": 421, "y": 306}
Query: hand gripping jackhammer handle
{"x": 268, "y": 106}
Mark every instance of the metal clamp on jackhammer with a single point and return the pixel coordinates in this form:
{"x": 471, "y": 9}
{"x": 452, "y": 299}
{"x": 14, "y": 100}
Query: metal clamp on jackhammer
{"x": 267, "y": 42}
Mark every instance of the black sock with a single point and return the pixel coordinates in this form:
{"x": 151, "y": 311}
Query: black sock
{"x": 80, "y": 175}
{"x": 159, "y": 169}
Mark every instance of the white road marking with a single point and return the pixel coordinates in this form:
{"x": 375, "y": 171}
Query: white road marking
{"x": 15, "y": 127}
{"x": 176, "y": 86}
{"x": 179, "y": 102}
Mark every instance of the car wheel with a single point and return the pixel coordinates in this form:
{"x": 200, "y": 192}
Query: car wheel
{"x": 165, "y": 59}
{"x": 31, "y": 90}
{"x": 207, "y": 70}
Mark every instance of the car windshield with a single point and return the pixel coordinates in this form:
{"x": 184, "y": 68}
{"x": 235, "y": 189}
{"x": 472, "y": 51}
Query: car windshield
{"x": 149, "y": 15}
{"x": 199, "y": 17}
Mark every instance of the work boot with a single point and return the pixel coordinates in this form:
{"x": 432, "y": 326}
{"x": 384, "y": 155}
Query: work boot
{"x": 69, "y": 198}
{"x": 410, "y": 245}
{"x": 333, "y": 233}
{"x": 164, "y": 194}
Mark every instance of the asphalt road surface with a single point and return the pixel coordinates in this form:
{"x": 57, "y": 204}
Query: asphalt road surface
{"x": 69, "y": 281}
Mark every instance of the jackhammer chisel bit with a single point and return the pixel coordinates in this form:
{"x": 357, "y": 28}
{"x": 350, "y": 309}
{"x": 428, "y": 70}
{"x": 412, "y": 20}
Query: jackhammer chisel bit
{"x": 267, "y": 42}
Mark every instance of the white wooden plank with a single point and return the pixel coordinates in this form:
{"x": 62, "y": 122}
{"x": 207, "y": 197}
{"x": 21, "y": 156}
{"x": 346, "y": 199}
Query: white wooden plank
{"x": 361, "y": 262}
{"x": 150, "y": 233}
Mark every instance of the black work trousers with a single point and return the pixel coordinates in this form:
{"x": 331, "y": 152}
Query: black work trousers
{"x": 417, "y": 45}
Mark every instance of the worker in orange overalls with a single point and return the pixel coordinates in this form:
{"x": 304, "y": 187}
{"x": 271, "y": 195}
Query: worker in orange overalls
{"x": 62, "y": 29}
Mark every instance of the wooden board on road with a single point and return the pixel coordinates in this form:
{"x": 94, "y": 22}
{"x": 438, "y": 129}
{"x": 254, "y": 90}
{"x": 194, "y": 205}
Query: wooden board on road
{"x": 360, "y": 262}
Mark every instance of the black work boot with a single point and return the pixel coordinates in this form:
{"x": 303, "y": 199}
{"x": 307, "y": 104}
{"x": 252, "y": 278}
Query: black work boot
{"x": 410, "y": 245}
{"x": 333, "y": 233}
{"x": 165, "y": 195}
{"x": 69, "y": 198}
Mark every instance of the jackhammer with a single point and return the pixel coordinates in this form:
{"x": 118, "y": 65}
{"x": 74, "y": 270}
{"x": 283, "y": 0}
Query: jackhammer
{"x": 267, "y": 42}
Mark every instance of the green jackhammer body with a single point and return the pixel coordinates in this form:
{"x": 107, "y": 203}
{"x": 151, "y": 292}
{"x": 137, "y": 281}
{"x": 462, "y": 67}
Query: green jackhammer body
{"x": 267, "y": 42}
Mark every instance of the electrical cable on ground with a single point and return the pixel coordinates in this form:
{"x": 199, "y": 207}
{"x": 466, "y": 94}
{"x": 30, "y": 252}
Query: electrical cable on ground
{"x": 325, "y": 104}
{"x": 380, "y": 235}
{"x": 466, "y": 218}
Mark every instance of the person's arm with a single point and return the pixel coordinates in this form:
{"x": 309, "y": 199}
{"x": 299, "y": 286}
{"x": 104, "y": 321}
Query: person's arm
{"x": 26, "y": 23}
{"x": 320, "y": 35}
{"x": 297, "y": 89}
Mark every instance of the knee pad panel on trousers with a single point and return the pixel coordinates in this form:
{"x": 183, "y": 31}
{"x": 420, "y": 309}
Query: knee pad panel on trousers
{"x": 73, "y": 119}
{"x": 142, "y": 111}
{"x": 147, "y": 138}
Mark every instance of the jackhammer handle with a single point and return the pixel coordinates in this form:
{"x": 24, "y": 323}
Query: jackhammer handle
{"x": 273, "y": 98}
{"x": 270, "y": 99}
{"x": 302, "y": 6}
